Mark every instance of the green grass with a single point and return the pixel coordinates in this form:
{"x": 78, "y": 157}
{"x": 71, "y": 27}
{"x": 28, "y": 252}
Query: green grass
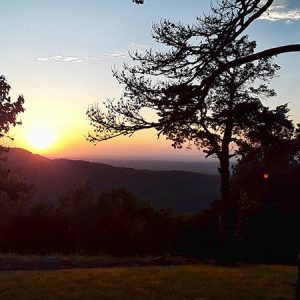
{"x": 180, "y": 282}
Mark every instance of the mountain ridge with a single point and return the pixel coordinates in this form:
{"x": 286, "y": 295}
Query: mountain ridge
{"x": 184, "y": 191}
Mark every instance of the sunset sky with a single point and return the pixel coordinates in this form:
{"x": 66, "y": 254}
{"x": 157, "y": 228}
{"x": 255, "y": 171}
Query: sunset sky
{"x": 59, "y": 55}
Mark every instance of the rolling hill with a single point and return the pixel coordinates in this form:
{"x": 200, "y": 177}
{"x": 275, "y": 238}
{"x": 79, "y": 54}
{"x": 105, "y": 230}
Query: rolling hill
{"x": 183, "y": 191}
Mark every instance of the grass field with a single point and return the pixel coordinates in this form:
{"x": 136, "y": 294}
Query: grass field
{"x": 180, "y": 282}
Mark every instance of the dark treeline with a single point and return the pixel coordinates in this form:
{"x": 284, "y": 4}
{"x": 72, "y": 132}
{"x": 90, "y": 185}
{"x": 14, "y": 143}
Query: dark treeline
{"x": 266, "y": 221}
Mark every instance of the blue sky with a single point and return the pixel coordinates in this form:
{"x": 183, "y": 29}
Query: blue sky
{"x": 59, "y": 55}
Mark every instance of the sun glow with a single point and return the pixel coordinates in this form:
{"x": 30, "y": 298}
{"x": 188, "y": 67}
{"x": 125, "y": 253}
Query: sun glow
{"x": 40, "y": 138}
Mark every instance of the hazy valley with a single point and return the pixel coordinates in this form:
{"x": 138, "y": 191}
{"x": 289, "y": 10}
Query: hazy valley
{"x": 182, "y": 190}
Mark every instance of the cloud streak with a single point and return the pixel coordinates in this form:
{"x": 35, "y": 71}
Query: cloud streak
{"x": 60, "y": 58}
{"x": 121, "y": 54}
{"x": 287, "y": 10}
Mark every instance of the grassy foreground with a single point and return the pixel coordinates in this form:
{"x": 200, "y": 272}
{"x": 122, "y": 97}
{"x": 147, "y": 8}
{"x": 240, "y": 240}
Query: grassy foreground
{"x": 180, "y": 282}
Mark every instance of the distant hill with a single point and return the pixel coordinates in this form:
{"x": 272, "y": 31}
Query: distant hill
{"x": 184, "y": 191}
{"x": 203, "y": 167}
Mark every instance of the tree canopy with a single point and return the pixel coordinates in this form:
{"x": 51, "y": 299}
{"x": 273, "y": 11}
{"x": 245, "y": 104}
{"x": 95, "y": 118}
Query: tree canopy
{"x": 265, "y": 189}
{"x": 197, "y": 54}
{"x": 9, "y": 110}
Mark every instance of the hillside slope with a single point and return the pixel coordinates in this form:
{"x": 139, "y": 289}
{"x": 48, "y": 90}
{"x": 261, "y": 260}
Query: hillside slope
{"x": 184, "y": 191}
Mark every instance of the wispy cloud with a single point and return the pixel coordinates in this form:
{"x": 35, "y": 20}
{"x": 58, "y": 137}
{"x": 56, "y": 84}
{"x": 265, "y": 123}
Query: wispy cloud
{"x": 60, "y": 58}
{"x": 288, "y": 10}
{"x": 121, "y": 54}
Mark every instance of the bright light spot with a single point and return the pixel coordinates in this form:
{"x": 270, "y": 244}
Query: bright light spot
{"x": 266, "y": 176}
{"x": 40, "y": 138}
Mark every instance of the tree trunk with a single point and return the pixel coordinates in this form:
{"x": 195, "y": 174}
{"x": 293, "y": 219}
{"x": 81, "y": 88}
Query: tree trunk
{"x": 225, "y": 221}
{"x": 225, "y": 199}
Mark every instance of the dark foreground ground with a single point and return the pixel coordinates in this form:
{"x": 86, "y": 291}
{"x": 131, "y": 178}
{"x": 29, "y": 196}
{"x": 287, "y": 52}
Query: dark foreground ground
{"x": 189, "y": 282}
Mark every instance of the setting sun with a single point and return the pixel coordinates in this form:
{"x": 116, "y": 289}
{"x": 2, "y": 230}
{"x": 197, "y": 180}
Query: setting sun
{"x": 40, "y": 138}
